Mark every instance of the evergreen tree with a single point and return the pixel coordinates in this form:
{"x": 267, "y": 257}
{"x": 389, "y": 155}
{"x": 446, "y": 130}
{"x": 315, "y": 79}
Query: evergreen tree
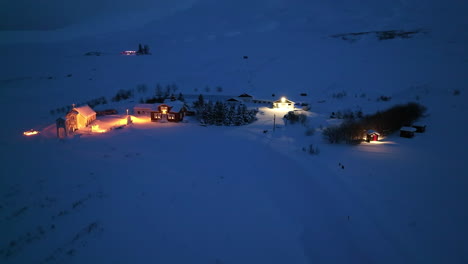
{"x": 238, "y": 117}
{"x": 146, "y": 50}
{"x": 159, "y": 93}
{"x": 219, "y": 113}
{"x": 199, "y": 104}
{"x": 181, "y": 97}
{"x": 207, "y": 113}
{"x": 140, "y": 49}
{"x": 167, "y": 92}
{"x": 174, "y": 88}
{"x": 230, "y": 114}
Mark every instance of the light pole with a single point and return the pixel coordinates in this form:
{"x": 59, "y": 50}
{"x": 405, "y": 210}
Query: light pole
{"x": 274, "y": 122}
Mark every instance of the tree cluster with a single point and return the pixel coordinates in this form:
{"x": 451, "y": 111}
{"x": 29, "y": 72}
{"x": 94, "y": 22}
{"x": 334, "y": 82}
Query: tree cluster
{"x": 122, "y": 95}
{"x": 347, "y": 114}
{"x": 143, "y": 50}
{"x": 165, "y": 93}
{"x": 223, "y": 114}
{"x": 294, "y": 117}
{"x": 385, "y": 122}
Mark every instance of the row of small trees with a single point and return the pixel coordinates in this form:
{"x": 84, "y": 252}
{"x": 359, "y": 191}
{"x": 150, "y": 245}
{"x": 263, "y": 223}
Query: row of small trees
{"x": 385, "y": 122}
{"x": 224, "y": 114}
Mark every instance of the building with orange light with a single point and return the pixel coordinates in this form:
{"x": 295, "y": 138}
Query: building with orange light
{"x": 79, "y": 117}
{"x": 171, "y": 111}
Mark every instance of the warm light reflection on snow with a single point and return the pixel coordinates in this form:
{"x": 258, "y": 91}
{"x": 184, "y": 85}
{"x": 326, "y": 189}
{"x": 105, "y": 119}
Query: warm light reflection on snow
{"x": 30, "y": 133}
{"x": 96, "y": 129}
{"x": 140, "y": 120}
{"x": 380, "y": 143}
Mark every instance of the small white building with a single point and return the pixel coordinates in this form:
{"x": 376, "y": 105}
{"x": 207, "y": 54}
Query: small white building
{"x": 143, "y": 109}
{"x": 283, "y": 103}
{"x": 79, "y": 117}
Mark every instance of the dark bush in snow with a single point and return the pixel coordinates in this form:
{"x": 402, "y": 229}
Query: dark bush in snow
{"x": 293, "y": 117}
{"x": 384, "y": 98}
{"x": 339, "y": 95}
{"x": 312, "y": 150}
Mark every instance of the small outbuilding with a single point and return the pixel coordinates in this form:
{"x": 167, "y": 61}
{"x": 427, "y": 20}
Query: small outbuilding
{"x": 143, "y": 109}
{"x": 372, "y": 135}
{"x": 284, "y": 103}
{"x": 61, "y": 127}
{"x": 420, "y": 128}
{"x": 407, "y": 132}
{"x": 79, "y": 117}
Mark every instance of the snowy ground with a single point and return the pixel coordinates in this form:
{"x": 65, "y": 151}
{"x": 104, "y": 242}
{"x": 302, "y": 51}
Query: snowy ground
{"x": 184, "y": 193}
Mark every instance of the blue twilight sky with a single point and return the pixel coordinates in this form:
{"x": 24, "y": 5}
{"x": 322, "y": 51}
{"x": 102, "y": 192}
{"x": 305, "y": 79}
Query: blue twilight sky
{"x": 32, "y": 20}
{"x": 57, "y": 14}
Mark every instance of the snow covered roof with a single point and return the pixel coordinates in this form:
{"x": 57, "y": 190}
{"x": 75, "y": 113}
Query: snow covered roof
{"x": 419, "y": 124}
{"x": 285, "y": 101}
{"x": 408, "y": 129}
{"x": 370, "y": 132}
{"x": 144, "y": 106}
{"x": 176, "y": 106}
{"x": 245, "y": 95}
{"x": 85, "y": 111}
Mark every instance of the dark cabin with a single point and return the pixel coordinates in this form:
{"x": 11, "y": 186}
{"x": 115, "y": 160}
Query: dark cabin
{"x": 172, "y": 112}
{"x": 407, "y": 132}
{"x": 372, "y": 135}
{"x": 420, "y": 128}
{"x": 233, "y": 101}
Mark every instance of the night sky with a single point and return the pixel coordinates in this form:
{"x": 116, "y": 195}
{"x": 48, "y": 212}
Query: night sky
{"x": 57, "y": 14}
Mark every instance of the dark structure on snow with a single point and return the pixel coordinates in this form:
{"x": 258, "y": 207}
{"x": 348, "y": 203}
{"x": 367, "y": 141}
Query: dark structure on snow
{"x": 61, "y": 128}
{"x": 407, "y": 132}
{"x": 420, "y": 128}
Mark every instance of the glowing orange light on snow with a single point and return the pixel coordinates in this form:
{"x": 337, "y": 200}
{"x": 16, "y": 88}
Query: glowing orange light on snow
{"x": 96, "y": 129}
{"x": 140, "y": 120}
{"x": 30, "y": 133}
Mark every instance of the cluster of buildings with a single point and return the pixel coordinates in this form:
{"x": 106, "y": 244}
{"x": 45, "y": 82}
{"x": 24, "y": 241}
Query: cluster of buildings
{"x": 170, "y": 110}
{"x": 282, "y": 103}
{"x": 406, "y": 132}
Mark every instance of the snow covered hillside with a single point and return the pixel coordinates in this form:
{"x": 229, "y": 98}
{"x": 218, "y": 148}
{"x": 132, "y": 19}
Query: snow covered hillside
{"x": 185, "y": 193}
